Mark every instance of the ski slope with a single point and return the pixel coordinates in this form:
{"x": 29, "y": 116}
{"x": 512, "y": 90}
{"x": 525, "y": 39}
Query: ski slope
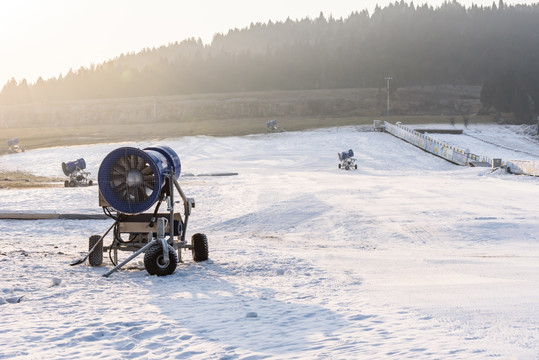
{"x": 409, "y": 256}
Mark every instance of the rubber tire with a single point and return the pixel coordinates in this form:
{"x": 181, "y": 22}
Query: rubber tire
{"x": 96, "y": 257}
{"x": 153, "y": 261}
{"x": 66, "y": 183}
{"x": 90, "y": 183}
{"x": 356, "y": 166}
{"x": 72, "y": 183}
{"x": 339, "y": 166}
{"x": 200, "y": 247}
{"x": 347, "y": 167}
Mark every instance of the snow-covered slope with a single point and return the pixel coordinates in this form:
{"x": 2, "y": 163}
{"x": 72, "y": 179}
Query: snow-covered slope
{"x": 407, "y": 257}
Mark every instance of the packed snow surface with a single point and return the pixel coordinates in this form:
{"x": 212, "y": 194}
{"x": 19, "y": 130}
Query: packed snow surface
{"x": 408, "y": 256}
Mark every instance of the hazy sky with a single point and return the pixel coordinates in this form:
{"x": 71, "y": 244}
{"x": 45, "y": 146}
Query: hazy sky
{"x": 46, "y": 38}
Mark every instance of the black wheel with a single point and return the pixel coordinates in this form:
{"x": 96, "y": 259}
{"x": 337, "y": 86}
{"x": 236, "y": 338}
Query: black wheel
{"x": 66, "y": 183}
{"x": 200, "y": 247}
{"x": 96, "y": 257}
{"x": 154, "y": 261}
{"x": 72, "y": 183}
{"x": 356, "y": 166}
{"x": 347, "y": 167}
{"x": 339, "y": 166}
{"x": 90, "y": 183}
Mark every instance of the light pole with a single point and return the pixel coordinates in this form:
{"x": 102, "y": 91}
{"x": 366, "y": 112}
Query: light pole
{"x": 388, "y": 78}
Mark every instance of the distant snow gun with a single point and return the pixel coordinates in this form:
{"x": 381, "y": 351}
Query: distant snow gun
{"x": 347, "y": 160}
{"x": 14, "y": 146}
{"x": 132, "y": 181}
{"x": 272, "y": 126}
{"x": 75, "y": 171}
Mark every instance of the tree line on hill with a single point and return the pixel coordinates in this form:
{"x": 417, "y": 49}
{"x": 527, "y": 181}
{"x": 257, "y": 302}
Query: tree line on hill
{"x": 416, "y": 45}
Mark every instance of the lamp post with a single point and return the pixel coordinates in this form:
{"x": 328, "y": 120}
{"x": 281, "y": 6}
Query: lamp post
{"x": 388, "y": 78}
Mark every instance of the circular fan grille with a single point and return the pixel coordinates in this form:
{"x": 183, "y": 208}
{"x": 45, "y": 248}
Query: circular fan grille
{"x": 132, "y": 179}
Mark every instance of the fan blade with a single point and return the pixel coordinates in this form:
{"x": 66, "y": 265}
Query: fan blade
{"x": 121, "y": 187}
{"x": 148, "y": 179}
{"x": 147, "y": 170}
{"x": 119, "y": 169}
{"x": 133, "y": 161}
{"x": 141, "y": 195}
{"x": 117, "y": 177}
{"x": 140, "y": 164}
{"x": 123, "y": 163}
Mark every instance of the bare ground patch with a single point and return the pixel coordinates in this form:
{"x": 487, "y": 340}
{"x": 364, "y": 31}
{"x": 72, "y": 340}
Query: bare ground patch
{"x": 23, "y": 180}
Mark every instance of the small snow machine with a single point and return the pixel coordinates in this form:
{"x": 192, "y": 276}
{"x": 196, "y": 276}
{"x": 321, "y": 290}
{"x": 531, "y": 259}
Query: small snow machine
{"x": 75, "y": 171}
{"x": 272, "y": 126}
{"x": 378, "y": 126}
{"x": 131, "y": 181}
{"x": 14, "y": 146}
{"x": 347, "y": 161}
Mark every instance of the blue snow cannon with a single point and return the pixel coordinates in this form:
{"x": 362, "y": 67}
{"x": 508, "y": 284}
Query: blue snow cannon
{"x": 12, "y": 142}
{"x": 71, "y": 166}
{"x": 347, "y": 160}
{"x": 130, "y": 180}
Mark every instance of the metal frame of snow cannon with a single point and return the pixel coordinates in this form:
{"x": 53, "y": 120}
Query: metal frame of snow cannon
{"x": 146, "y": 232}
{"x": 77, "y": 175}
{"x": 347, "y": 161}
{"x": 147, "y": 229}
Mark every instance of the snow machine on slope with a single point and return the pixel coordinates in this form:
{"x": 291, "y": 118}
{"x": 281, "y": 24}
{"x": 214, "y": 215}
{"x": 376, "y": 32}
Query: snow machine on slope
{"x": 272, "y": 126}
{"x": 132, "y": 181}
{"x": 75, "y": 171}
{"x": 347, "y": 160}
{"x": 14, "y": 146}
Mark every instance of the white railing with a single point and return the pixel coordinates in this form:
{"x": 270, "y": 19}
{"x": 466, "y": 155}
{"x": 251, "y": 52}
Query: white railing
{"x": 524, "y": 167}
{"x": 433, "y": 146}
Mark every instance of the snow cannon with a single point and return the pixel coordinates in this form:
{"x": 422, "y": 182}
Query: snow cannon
{"x": 14, "y": 146}
{"x": 347, "y": 154}
{"x": 271, "y": 123}
{"x": 272, "y": 126}
{"x": 347, "y": 160}
{"x": 130, "y": 180}
{"x": 12, "y": 142}
{"x": 72, "y": 166}
{"x": 75, "y": 171}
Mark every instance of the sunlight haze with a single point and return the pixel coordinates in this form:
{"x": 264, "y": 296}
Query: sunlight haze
{"x": 47, "y": 38}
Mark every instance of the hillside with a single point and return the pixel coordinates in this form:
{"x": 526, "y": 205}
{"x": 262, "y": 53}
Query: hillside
{"x": 415, "y": 45}
{"x": 142, "y": 118}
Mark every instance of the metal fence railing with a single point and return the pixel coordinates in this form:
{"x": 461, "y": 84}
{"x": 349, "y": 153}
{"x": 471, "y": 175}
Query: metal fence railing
{"x": 433, "y": 146}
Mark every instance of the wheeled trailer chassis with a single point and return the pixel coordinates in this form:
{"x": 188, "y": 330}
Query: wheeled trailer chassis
{"x": 348, "y": 164}
{"x": 161, "y": 236}
{"x": 79, "y": 178}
